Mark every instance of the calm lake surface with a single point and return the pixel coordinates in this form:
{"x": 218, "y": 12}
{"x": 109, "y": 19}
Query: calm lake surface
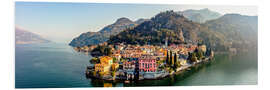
{"x": 59, "y": 66}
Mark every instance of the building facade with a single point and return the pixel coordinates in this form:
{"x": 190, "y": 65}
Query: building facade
{"x": 105, "y": 64}
{"x": 147, "y": 65}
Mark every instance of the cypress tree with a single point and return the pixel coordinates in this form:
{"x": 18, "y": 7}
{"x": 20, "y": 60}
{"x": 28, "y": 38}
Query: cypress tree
{"x": 167, "y": 58}
{"x": 171, "y": 57}
{"x": 175, "y": 59}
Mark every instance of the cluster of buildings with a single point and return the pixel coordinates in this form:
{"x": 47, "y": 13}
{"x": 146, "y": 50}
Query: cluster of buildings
{"x": 106, "y": 64}
{"x": 134, "y": 61}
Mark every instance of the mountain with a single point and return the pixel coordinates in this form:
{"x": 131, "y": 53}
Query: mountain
{"x": 141, "y": 20}
{"x": 91, "y": 38}
{"x": 201, "y": 15}
{"x": 167, "y": 25}
{"x": 221, "y": 34}
{"x": 240, "y": 31}
{"x": 26, "y": 37}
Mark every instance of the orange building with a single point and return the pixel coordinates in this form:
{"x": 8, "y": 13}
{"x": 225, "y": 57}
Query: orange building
{"x": 106, "y": 60}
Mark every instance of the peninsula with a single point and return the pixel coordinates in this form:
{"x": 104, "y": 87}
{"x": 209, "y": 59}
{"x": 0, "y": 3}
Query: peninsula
{"x": 136, "y": 62}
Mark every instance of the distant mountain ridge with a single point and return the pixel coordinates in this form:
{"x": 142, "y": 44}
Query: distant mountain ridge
{"x": 92, "y": 38}
{"x": 201, "y": 15}
{"x": 26, "y": 37}
{"x": 240, "y": 31}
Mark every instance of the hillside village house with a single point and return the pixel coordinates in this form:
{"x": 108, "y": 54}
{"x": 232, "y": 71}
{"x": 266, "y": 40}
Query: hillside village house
{"x": 131, "y": 53}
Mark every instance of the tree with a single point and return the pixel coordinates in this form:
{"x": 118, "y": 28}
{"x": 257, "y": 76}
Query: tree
{"x": 193, "y": 57}
{"x": 170, "y": 61}
{"x": 114, "y": 60}
{"x": 200, "y": 54}
{"x": 171, "y": 70}
{"x": 178, "y": 64}
{"x": 208, "y": 52}
{"x": 108, "y": 51}
{"x": 113, "y": 73}
{"x": 175, "y": 59}
{"x": 121, "y": 59}
{"x": 101, "y": 48}
{"x": 168, "y": 58}
{"x": 94, "y": 60}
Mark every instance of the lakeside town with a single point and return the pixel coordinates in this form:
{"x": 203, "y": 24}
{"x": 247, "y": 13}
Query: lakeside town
{"x": 84, "y": 45}
{"x": 162, "y": 46}
{"x": 139, "y": 62}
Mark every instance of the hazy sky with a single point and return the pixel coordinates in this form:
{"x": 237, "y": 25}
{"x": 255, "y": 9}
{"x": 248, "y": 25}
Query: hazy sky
{"x": 61, "y": 22}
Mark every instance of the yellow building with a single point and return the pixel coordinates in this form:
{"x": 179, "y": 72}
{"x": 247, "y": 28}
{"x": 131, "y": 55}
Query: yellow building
{"x": 106, "y": 60}
{"x": 105, "y": 64}
{"x": 102, "y": 67}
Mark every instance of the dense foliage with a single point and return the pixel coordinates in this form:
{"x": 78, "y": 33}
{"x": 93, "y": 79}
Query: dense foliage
{"x": 101, "y": 51}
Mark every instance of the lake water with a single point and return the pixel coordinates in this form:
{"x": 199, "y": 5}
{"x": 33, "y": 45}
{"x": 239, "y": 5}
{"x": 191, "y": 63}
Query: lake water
{"x": 59, "y": 66}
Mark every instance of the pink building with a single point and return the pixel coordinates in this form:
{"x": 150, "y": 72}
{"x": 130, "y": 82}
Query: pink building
{"x": 147, "y": 65}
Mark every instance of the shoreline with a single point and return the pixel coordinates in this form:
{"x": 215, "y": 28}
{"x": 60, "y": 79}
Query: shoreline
{"x": 178, "y": 71}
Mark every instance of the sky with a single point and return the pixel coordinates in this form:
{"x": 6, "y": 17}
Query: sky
{"x": 61, "y": 22}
